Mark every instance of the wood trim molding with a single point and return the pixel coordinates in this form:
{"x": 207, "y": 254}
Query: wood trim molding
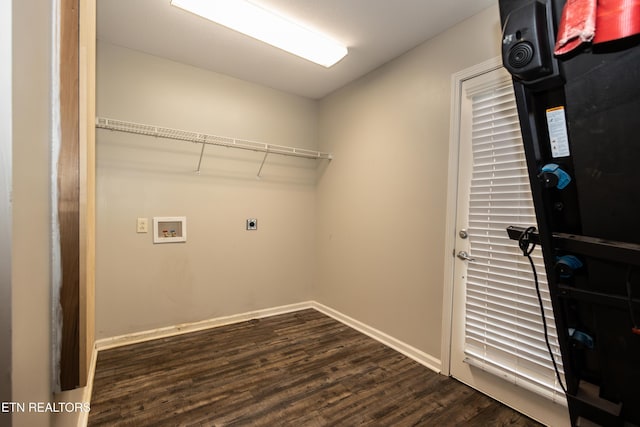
{"x": 68, "y": 194}
{"x": 87, "y": 131}
{"x": 76, "y": 189}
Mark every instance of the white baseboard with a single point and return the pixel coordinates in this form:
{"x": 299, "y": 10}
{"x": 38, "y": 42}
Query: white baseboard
{"x": 411, "y": 352}
{"x": 106, "y": 343}
{"x": 183, "y": 328}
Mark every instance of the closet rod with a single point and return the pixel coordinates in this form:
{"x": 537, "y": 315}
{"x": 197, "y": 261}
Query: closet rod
{"x": 200, "y": 138}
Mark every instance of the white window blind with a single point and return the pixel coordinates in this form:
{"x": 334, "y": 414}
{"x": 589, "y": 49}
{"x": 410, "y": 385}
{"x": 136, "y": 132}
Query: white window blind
{"x": 503, "y": 326}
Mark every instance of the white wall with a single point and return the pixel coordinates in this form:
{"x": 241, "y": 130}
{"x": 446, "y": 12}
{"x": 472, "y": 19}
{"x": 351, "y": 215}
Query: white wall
{"x": 222, "y": 269}
{"x": 382, "y": 201}
{"x": 31, "y": 229}
{"x": 371, "y": 245}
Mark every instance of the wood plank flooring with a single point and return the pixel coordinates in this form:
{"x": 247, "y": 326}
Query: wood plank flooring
{"x": 296, "y": 369}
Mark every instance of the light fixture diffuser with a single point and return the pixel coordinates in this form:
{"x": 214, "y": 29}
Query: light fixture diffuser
{"x": 261, "y": 24}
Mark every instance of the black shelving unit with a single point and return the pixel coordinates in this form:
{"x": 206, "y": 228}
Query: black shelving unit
{"x": 595, "y": 218}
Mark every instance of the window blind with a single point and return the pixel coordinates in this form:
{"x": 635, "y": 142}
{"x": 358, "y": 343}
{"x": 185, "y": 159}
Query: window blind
{"x": 503, "y": 326}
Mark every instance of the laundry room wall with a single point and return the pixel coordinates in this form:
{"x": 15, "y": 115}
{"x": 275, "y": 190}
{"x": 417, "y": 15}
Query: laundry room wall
{"x": 222, "y": 268}
{"x": 382, "y": 201}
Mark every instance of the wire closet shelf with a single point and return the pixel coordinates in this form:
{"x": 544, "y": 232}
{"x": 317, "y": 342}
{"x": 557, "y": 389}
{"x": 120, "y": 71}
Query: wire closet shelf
{"x": 206, "y": 139}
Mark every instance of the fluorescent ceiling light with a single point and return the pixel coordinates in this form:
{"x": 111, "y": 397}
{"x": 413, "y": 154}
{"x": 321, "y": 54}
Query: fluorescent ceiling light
{"x": 261, "y": 24}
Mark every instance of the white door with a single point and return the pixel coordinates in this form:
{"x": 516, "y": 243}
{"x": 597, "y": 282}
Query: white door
{"x": 497, "y": 340}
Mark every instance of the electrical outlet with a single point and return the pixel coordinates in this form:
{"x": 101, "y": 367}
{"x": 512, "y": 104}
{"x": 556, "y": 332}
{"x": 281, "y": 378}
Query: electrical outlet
{"x": 252, "y": 224}
{"x": 143, "y": 225}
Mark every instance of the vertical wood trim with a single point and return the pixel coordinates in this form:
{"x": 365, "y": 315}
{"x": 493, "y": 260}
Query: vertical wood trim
{"x": 87, "y": 184}
{"x": 68, "y": 195}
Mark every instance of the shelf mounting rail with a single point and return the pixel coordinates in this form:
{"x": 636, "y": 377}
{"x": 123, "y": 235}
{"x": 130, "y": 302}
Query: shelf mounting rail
{"x": 205, "y": 139}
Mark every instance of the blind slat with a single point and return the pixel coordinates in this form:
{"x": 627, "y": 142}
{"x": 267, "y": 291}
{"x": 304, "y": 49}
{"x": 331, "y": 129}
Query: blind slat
{"x": 503, "y": 327}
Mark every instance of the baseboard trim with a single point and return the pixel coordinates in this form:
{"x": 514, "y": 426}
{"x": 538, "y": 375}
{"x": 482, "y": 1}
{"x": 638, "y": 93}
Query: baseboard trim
{"x": 400, "y": 346}
{"x": 183, "y": 328}
{"x": 83, "y": 420}
{"x": 413, "y": 353}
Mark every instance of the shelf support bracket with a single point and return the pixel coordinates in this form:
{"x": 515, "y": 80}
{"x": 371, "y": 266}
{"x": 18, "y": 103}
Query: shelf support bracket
{"x": 204, "y": 142}
{"x": 266, "y": 153}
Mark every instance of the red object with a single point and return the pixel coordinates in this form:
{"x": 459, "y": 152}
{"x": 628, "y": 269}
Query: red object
{"x": 577, "y": 26}
{"x": 617, "y": 19}
{"x": 635, "y": 331}
{"x": 598, "y": 21}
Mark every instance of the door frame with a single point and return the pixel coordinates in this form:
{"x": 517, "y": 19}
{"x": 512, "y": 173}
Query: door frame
{"x": 457, "y": 80}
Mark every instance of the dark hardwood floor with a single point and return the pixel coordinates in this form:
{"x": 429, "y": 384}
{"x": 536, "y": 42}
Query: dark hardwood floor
{"x": 297, "y": 369}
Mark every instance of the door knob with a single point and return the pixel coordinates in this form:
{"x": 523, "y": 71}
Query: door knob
{"x": 465, "y": 256}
